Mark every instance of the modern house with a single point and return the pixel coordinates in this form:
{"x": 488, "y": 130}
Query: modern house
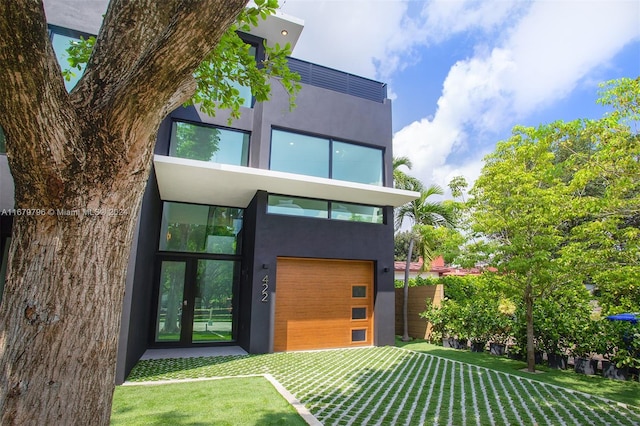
{"x": 272, "y": 233}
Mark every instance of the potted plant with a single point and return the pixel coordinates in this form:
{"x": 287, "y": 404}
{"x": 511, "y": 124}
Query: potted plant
{"x": 502, "y": 324}
{"x": 584, "y": 344}
{"x": 609, "y": 345}
{"x": 626, "y": 353}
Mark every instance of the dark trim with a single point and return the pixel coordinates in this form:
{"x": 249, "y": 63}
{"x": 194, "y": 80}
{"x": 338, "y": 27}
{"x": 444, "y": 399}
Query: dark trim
{"x": 338, "y": 81}
{"x": 67, "y": 32}
{"x": 324, "y": 136}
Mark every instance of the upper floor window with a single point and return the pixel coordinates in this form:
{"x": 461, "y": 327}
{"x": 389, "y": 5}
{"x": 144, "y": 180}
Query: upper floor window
{"x": 200, "y": 229}
{"x": 206, "y": 143}
{"x": 61, "y": 39}
{"x": 321, "y": 157}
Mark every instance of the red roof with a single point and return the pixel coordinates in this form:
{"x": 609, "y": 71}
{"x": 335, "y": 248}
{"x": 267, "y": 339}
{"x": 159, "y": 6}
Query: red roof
{"x": 438, "y": 266}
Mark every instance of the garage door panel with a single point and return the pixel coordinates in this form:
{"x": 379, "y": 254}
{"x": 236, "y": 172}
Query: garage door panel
{"x": 314, "y": 304}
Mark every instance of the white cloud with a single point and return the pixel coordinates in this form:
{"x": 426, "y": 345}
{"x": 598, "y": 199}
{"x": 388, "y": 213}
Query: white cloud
{"x": 558, "y": 43}
{"x": 542, "y": 59}
{"x": 354, "y": 36}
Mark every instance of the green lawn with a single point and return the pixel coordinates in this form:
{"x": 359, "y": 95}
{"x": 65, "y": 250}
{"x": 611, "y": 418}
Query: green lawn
{"x": 427, "y": 385}
{"x": 237, "y": 401}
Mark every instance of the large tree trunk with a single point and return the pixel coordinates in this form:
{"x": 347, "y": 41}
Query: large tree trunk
{"x": 528, "y": 303}
{"x": 81, "y": 161}
{"x": 61, "y": 316}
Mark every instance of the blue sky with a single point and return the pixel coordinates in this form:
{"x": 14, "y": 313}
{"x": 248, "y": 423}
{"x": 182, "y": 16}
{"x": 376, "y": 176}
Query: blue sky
{"x": 462, "y": 73}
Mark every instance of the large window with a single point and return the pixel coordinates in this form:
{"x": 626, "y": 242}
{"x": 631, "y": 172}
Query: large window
{"x": 321, "y": 157}
{"x": 200, "y": 229}
{"x": 335, "y": 210}
{"x": 356, "y": 163}
{"x": 61, "y": 39}
{"x": 205, "y": 143}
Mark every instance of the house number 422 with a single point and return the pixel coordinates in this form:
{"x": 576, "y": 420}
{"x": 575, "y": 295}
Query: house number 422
{"x": 265, "y": 289}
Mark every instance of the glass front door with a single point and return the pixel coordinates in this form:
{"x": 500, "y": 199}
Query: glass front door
{"x": 196, "y": 301}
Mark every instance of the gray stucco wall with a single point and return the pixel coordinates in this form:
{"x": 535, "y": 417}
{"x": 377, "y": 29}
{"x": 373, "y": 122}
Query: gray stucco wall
{"x": 276, "y": 236}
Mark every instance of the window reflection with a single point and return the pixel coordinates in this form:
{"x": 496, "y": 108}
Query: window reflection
{"x": 323, "y": 157}
{"x": 355, "y": 163}
{"x": 300, "y": 154}
{"x": 200, "y": 229}
{"x": 296, "y": 206}
{"x": 292, "y": 206}
{"x": 212, "y": 144}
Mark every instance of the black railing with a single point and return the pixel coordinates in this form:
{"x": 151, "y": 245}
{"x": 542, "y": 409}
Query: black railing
{"x": 328, "y": 78}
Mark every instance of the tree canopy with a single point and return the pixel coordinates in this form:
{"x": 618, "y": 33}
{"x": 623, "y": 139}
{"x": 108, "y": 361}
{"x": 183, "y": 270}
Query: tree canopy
{"x": 558, "y": 205}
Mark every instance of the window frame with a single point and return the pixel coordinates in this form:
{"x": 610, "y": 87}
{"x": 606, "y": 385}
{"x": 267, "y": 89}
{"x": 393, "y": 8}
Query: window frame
{"x": 200, "y": 254}
{"x": 208, "y": 126}
{"x": 331, "y": 141}
{"x": 330, "y": 204}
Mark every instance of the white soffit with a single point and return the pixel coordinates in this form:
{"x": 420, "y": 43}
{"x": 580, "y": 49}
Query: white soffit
{"x": 193, "y": 181}
{"x": 279, "y": 28}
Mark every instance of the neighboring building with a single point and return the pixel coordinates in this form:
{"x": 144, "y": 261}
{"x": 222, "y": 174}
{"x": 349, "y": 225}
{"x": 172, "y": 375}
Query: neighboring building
{"x": 274, "y": 233}
{"x": 437, "y": 269}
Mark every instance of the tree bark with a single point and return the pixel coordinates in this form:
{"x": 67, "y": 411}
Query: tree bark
{"x": 528, "y": 302}
{"x": 80, "y": 161}
{"x": 405, "y": 295}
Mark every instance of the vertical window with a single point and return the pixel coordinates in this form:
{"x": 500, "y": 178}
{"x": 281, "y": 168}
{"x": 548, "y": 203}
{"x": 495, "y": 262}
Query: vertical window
{"x": 355, "y": 163}
{"x": 245, "y": 91}
{"x": 209, "y": 144}
{"x": 301, "y": 154}
{"x": 4, "y": 258}
{"x": 3, "y": 146}
{"x": 200, "y": 229}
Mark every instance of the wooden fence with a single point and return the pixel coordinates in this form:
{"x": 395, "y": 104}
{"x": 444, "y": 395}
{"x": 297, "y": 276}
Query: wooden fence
{"x": 419, "y": 328}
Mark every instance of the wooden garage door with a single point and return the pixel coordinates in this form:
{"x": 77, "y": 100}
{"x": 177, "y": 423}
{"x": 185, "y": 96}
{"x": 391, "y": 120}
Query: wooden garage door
{"x": 323, "y": 304}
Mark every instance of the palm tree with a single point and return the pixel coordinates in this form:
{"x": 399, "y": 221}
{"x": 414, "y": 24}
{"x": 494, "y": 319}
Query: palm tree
{"x": 400, "y": 178}
{"x": 421, "y": 211}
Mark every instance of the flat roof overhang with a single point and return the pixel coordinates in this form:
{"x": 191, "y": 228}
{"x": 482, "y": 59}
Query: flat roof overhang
{"x": 200, "y": 182}
{"x": 279, "y": 28}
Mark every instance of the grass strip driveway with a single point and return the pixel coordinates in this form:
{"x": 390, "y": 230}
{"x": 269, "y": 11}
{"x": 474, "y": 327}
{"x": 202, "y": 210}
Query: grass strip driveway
{"x": 203, "y": 403}
{"x": 393, "y": 386}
